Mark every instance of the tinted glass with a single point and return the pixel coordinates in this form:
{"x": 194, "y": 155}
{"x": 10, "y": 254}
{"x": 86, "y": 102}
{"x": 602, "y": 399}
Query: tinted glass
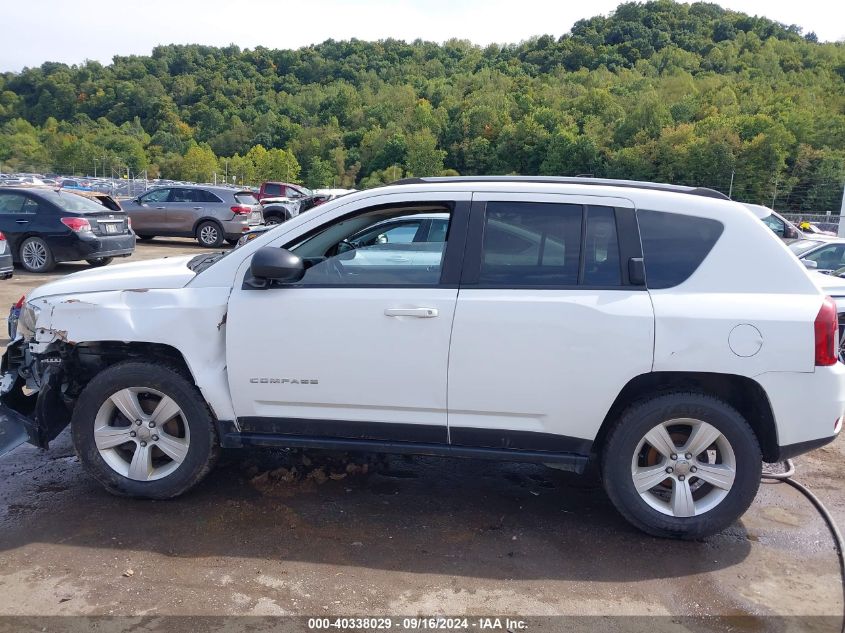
{"x": 272, "y": 190}
{"x": 674, "y": 245}
{"x": 438, "y": 230}
{"x": 12, "y": 202}
{"x": 244, "y": 197}
{"x": 182, "y": 195}
{"x": 601, "y": 248}
{"x": 68, "y": 201}
{"x": 531, "y": 244}
{"x": 201, "y": 195}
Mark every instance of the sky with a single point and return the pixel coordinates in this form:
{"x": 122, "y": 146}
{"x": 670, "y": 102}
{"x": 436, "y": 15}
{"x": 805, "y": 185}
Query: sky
{"x": 56, "y": 30}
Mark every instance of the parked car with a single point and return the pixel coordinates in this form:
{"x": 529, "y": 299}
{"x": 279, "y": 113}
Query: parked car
{"x": 6, "y": 265}
{"x": 44, "y": 227}
{"x": 303, "y": 195}
{"x": 781, "y": 227}
{"x": 561, "y": 321}
{"x": 278, "y": 210}
{"x": 808, "y": 228}
{"x": 208, "y": 213}
{"x": 821, "y": 255}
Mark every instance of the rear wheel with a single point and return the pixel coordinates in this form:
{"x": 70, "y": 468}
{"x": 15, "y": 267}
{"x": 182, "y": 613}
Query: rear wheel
{"x": 682, "y": 465}
{"x": 143, "y": 430}
{"x": 209, "y": 234}
{"x": 273, "y": 220}
{"x": 145, "y": 237}
{"x": 36, "y": 256}
{"x": 100, "y": 261}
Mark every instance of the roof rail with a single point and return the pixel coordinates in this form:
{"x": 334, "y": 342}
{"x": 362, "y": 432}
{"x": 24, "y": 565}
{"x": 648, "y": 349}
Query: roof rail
{"x": 569, "y": 180}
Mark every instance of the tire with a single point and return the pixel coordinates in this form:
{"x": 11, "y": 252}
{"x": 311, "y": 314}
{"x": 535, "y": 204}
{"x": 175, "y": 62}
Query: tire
{"x": 209, "y": 234}
{"x": 145, "y": 237}
{"x": 273, "y": 220}
{"x": 681, "y": 504}
{"x": 100, "y": 261}
{"x": 189, "y": 434}
{"x": 36, "y": 256}
{"x": 232, "y": 241}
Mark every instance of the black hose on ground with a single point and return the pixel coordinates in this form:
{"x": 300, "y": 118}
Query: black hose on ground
{"x": 786, "y": 477}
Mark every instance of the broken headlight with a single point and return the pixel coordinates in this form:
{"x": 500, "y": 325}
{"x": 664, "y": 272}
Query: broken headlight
{"x": 26, "y": 321}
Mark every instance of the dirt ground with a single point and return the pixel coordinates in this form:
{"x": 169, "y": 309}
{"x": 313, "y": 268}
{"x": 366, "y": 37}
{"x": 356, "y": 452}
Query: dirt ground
{"x": 361, "y": 535}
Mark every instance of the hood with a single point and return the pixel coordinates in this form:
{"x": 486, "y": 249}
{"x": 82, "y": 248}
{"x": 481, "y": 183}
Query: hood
{"x": 169, "y": 272}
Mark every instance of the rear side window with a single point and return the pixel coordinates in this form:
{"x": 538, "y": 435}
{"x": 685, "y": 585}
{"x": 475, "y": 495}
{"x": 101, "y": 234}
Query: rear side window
{"x": 531, "y": 244}
{"x": 674, "y": 245}
{"x": 201, "y": 195}
{"x": 272, "y": 190}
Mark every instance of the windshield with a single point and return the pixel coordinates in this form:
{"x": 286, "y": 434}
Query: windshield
{"x": 72, "y": 202}
{"x": 802, "y": 246}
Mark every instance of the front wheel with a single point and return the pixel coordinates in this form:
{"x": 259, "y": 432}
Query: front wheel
{"x": 100, "y": 261}
{"x": 273, "y": 220}
{"x": 682, "y": 465}
{"x": 142, "y": 430}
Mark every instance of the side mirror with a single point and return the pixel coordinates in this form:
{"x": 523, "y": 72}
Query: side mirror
{"x": 271, "y": 264}
{"x": 810, "y": 264}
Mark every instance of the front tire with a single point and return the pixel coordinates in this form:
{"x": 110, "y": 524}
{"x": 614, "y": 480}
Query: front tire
{"x": 36, "y": 256}
{"x": 143, "y": 430}
{"x": 681, "y": 465}
{"x": 273, "y": 220}
{"x": 209, "y": 234}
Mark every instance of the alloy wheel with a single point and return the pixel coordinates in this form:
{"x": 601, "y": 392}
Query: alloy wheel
{"x": 141, "y": 433}
{"x": 34, "y": 254}
{"x": 208, "y": 234}
{"x": 683, "y": 467}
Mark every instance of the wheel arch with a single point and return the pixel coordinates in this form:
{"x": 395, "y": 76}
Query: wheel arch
{"x": 742, "y": 393}
{"x": 207, "y": 219}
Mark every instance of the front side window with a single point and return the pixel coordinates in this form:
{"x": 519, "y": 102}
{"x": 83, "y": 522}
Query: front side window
{"x": 674, "y": 245}
{"x": 828, "y": 257}
{"x": 157, "y": 195}
{"x": 374, "y": 248}
{"x": 775, "y": 224}
{"x": 531, "y": 244}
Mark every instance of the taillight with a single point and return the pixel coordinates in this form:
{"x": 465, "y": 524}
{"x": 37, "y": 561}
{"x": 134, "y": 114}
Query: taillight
{"x": 241, "y": 210}
{"x": 77, "y": 225}
{"x": 2, "y": 237}
{"x": 128, "y": 222}
{"x": 19, "y": 304}
{"x": 827, "y": 333}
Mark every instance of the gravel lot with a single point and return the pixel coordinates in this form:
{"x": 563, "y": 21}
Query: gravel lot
{"x": 364, "y": 535}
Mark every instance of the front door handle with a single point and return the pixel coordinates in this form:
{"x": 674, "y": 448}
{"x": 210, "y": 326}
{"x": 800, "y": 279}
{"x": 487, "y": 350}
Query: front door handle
{"x": 197, "y": 208}
{"x": 419, "y": 313}
{"x": 21, "y": 221}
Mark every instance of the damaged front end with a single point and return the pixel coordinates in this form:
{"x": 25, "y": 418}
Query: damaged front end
{"x": 36, "y": 390}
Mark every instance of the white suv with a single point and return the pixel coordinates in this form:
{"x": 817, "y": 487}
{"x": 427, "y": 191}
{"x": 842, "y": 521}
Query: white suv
{"x": 556, "y": 321}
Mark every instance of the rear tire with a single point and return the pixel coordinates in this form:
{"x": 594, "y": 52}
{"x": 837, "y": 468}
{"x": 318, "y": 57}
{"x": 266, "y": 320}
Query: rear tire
{"x": 36, "y": 256}
{"x": 173, "y": 448}
{"x": 714, "y": 475}
{"x": 100, "y": 261}
{"x": 273, "y": 220}
{"x": 209, "y": 234}
{"x": 145, "y": 237}
{"x": 232, "y": 241}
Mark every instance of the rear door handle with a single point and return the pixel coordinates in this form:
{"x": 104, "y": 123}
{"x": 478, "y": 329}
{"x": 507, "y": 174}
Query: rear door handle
{"x": 419, "y": 313}
{"x": 21, "y": 221}
{"x": 160, "y": 208}
{"x": 197, "y": 208}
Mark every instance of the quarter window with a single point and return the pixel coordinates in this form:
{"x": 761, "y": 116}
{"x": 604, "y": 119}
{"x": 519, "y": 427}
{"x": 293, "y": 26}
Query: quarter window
{"x": 674, "y": 245}
{"x": 601, "y": 248}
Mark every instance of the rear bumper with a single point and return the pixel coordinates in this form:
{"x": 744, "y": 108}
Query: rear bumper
{"x": 93, "y": 246}
{"x": 233, "y": 229}
{"x": 6, "y": 267}
{"x": 808, "y": 407}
